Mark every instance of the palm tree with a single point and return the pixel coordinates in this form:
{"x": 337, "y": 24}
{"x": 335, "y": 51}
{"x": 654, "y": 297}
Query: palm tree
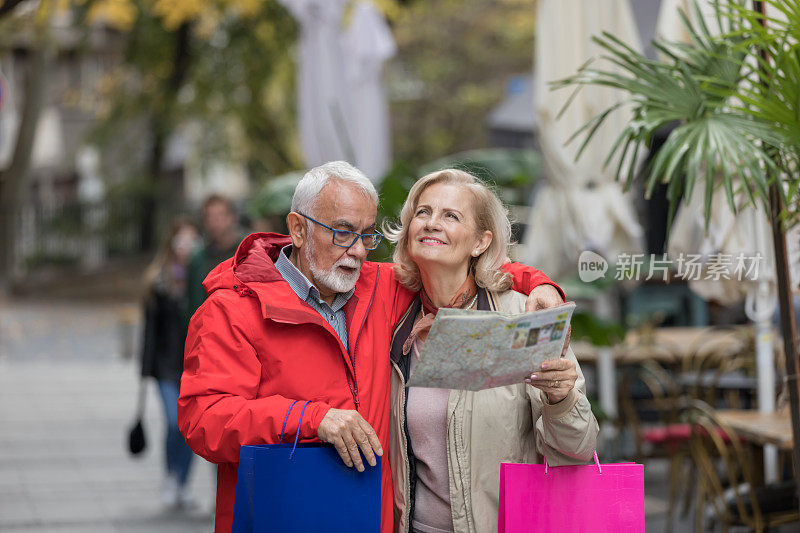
{"x": 734, "y": 94}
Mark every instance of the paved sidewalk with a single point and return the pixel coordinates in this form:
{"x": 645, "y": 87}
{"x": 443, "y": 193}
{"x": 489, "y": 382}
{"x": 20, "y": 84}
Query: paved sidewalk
{"x": 66, "y": 400}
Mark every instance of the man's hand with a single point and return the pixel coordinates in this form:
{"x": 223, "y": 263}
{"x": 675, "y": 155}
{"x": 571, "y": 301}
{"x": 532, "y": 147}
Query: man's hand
{"x": 348, "y": 431}
{"x": 557, "y": 377}
{"x": 543, "y": 297}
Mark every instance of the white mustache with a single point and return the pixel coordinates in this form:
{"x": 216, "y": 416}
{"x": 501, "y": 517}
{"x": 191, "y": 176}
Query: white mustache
{"x": 348, "y": 263}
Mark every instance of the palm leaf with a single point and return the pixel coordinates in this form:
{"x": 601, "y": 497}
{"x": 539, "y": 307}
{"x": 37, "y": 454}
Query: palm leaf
{"x": 718, "y": 142}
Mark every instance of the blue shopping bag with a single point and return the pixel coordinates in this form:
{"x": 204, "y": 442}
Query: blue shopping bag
{"x": 293, "y": 488}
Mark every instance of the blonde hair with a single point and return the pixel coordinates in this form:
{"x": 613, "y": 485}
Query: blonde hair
{"x": 490, "y": 214}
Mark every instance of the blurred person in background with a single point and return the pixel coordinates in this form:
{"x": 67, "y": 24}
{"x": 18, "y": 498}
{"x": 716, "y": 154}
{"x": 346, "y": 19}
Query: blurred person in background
{"x": 165, "y": 329}
{"x": 222, "y": 236}
{"x": 452, "y": 240}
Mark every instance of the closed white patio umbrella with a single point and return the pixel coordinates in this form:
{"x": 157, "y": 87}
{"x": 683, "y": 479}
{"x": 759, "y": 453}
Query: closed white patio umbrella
{"x": 580, "y": 206}
{"x": 368, "y": 44}
{"x": 320, "y": 79}
{"x": 342, "y": 108}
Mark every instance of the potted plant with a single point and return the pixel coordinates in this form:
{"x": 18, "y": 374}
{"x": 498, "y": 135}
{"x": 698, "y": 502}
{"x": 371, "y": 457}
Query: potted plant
{"x": 733, "y": 95}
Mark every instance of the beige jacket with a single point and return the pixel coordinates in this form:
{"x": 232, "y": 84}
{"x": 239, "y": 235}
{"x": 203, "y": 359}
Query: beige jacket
{"x": 512, "y": 424}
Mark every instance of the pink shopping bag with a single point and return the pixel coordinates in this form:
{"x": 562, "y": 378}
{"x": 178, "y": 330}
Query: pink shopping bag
{"x": 584, "y": 498}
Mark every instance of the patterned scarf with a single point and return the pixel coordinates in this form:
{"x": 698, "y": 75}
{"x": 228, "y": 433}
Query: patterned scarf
{"x": 461, "y": 300}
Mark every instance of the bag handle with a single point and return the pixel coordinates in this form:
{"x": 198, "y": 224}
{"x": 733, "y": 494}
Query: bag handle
{"x": 596, "y": 461}
{"x": 297, "y": 435}
{"x": 141, "y": 399}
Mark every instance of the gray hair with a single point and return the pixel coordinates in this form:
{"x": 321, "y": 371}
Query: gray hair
{"x": 307, "y": 190}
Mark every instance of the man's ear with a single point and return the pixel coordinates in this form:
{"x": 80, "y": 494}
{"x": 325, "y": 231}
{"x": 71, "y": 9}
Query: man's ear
{"x": 482, "y": 244}
{"x": 298, "y": 230}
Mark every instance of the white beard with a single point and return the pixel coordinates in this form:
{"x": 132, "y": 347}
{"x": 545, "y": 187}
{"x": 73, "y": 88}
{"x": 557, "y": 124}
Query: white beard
{"x": 333, "y": 279}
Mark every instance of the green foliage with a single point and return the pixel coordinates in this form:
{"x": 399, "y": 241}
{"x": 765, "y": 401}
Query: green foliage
{"x": 274, "y": 198}
{"x": 775, "y": 99}
{"x": 512, "y": 171}
{"x": 394, "y": 188}
{"x": 598, "y": 331}
{"x": 57, "y": 259}
{"x": 454, "y": 59}
{"x": 393, "y": 191}
{"x": 598, "y": 412}
{"x": 581, "y": 290}
{"x": 233, "y": 79}
{"x": 697, "y": 87}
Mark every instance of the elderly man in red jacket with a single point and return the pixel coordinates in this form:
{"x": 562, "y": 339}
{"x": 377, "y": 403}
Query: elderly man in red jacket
{"x": 304, "y": 317}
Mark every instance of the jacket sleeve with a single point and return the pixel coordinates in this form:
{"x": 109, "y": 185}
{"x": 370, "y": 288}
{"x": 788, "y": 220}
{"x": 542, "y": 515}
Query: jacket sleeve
{"x": 528, "y": 278}
{"x": 219, "y": 409}
{"x": 566, "y": 432}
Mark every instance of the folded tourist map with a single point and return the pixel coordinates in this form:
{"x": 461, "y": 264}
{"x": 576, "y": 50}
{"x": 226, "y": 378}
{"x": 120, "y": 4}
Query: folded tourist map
{"x": 476, "y": 350}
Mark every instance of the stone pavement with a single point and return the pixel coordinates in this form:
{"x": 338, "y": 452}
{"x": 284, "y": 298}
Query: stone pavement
{"x": 67, "y": 398}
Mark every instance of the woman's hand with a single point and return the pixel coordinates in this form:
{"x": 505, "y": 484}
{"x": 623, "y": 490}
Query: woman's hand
{"x": 557, "y": 377}
{"x": 544, "y": 297}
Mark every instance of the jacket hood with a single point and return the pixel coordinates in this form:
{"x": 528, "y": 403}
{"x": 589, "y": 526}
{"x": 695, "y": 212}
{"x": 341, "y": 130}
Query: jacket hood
{"x": 254, "y": 261}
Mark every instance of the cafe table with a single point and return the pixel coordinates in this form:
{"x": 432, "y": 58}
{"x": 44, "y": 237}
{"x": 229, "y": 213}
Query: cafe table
{"x": 664, "y": 345}
{"x": 670, "y": 347}
{"x": 763, "y": 430}
{"x": 760, "y": 428}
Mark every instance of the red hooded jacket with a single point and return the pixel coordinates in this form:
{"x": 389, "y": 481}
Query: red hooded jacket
{"x": 254, "y": 347}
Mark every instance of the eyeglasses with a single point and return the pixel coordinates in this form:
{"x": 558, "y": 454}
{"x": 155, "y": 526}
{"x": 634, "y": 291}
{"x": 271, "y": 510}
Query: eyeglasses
{"x": 345, "y": 239}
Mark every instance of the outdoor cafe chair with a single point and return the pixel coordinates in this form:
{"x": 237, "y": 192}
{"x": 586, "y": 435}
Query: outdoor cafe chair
{"x": 720, "y": 370}
{"x": 649, "y": 404}
{"x": 727, "y": 493}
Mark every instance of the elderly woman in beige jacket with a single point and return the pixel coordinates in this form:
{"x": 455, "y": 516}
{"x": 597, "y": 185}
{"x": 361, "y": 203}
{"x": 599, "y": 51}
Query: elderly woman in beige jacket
{"x": 447, "y": 445}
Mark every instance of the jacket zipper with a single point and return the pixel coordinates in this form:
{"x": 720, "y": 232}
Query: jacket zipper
{"x": 354, "y": 387}
{"x": 409, "y": 452}
{"x": 406, "y": 460}
{"x": 462, "y": 463}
